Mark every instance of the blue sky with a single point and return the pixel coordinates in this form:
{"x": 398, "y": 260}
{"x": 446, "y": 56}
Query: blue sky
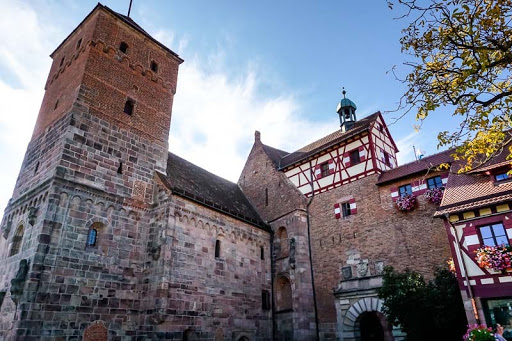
{"x": 274, "y": 66}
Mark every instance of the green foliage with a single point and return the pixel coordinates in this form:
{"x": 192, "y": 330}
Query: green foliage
{"x": 462, "y": 57}
{"x": 425, "y": 311}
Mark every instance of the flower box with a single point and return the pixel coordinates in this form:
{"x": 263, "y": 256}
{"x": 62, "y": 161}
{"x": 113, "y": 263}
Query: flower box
{"x": 406, "y": 202}
{"x": 496, "y": 258}
{"x": 435, "y": 195}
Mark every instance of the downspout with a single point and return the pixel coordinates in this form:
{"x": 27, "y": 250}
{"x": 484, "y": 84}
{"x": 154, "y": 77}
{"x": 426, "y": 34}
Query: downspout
{"x": 310, "y": 253}
{"x": 272, "y": 269}
{"x": 463, "y": 265}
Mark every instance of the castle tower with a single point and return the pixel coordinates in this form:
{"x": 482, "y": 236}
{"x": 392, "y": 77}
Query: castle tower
{"x": 73, "y": 224}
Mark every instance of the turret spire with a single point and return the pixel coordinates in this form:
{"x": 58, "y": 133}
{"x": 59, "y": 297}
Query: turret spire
{"x": 347, "y": 112}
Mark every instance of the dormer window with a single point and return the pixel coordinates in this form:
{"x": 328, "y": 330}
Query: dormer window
{"x": 154, "y": 66}
{"x": 123, "y": 47}
{"x": 502, "y": 176}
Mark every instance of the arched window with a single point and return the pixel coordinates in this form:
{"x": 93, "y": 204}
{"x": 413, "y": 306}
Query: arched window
{"x": 91, "y": 237}
{"x": 123, "y": 47}
{"x": 282, "y": 236}
{"x": 217, "y": 248}
{"x": 283, "y": 294}
{"x": 16, "y": 241}
{"x": 94, "y": 234}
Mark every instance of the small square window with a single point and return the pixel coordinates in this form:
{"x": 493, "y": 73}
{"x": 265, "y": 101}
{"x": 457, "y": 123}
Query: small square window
{"x": 405, "y": 190}
{"x": 154, "y": 66}
{"x": 493, "y": 235}
{"x": 324, "y": 167}
{"x": 354, "y": 157}
{"x": 345, "y": 209}
{"x": 128, "y": 107}
{"x": 434, "y": 182}
{"x": 123, "y": 47}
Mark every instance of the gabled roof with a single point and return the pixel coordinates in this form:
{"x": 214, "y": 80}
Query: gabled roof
{"x": 125, "y": 19}
{"x": 476, "y": 188}
{"x": 274, "y": 154}
{"x": 417, "y": 166}
{"x": 328, "y": 141}
{"x": 187, "y": 180}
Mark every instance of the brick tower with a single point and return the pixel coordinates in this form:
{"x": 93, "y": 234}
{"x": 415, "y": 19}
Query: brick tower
{"x": 101, "y": 134}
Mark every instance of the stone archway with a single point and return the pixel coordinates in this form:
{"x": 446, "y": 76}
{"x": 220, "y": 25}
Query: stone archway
{"x": 364, "y": 321}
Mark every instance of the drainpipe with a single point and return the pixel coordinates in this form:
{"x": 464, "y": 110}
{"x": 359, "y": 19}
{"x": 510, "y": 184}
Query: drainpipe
{"x": 463, "y": 265}
{"x": 310, "y": 253}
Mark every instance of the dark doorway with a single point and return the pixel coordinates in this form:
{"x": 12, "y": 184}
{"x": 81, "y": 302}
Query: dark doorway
{"x": 370, "y": 327}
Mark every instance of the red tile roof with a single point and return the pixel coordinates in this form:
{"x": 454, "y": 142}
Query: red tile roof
{"x": 476, "y": 188}
{"x": 418, "y": 166}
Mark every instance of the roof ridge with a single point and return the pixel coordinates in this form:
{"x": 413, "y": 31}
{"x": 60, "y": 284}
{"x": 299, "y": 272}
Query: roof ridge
{"x": 423, "y": 159}
{"x": 205, "y": 170}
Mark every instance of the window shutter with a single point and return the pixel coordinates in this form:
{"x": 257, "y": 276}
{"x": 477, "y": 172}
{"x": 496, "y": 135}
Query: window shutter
{"x": 337, "y": 211}
{"x": 332, "y": 166}
{"x": 353, "y": 206}
{"x": 394, "y": 193}
{"x": 318, "y": 172}
{"x": 362, "y": 154}
{"x": 346, "y": 159}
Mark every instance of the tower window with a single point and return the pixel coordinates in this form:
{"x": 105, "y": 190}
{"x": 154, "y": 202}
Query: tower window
{"x": 120, "y": 168}
{"x": 16, "y": 241}
{"x": 123, "y": 47}
{"x": 324, "y": 168}
{"x": 262, "y": 253}
{"x": 61, "y": 61}
{"x": 128, "y": 107}
{"x": 354, "y": 157}
{"x": 154, "y": 66}
{"x": 217, "y": 248}
{"x": 266, "y": 196}
{"x": 91, "y": 237}
{"x": 78, "y": 43}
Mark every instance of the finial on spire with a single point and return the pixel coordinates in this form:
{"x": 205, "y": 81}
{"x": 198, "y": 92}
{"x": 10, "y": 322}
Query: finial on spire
{"x": 343, "y": 92}
{"x": 130, "y": 8}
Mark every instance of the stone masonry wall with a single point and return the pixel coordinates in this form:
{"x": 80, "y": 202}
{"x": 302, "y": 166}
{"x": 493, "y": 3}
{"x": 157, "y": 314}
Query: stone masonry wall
{"x": 378, "y": 235}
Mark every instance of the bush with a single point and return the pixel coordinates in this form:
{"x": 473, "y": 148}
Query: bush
{"x": 425, "y": 311}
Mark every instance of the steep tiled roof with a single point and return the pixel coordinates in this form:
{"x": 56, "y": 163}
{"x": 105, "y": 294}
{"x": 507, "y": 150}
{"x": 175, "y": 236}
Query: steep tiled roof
{"x": 274, "y": 154}
{"x": 327, "y": 141}
{"x": 417, "y": 166}
{"x": 185, "y": 179}
{"x": 476, "y": 188}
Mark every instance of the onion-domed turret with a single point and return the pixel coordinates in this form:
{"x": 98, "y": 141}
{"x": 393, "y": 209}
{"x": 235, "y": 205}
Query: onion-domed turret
{"x": 347, "y": 111}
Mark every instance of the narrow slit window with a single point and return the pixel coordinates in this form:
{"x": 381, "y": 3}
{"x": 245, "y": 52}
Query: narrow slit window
{"x": 16, "y": 241}
{"x": 123, "y": 47}
{"x": 61, "y": 61}
{"x": 56, "y": 105}
{"x": 217, "y": 248}
{"x": 79, "y": 43}
{"x": 120, "y": 168}
{"x": 37, "y": 168}
{"x": 266, "y": 196}
{"x": 265, "y": 300}
{"x": 128, "y": 107}
{"x": 154, "y": 66}
{"x": 91, "y": 237}
{"x": 262, "y": 253}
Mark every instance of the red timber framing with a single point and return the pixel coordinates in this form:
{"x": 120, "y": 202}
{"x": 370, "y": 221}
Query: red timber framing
{"x": 336, "y": 161}
{"x": 485, "y": 283}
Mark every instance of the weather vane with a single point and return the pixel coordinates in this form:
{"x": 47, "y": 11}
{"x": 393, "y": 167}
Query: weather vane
{"x": 343, "y": 92}
{"x": 129, "y": 8}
